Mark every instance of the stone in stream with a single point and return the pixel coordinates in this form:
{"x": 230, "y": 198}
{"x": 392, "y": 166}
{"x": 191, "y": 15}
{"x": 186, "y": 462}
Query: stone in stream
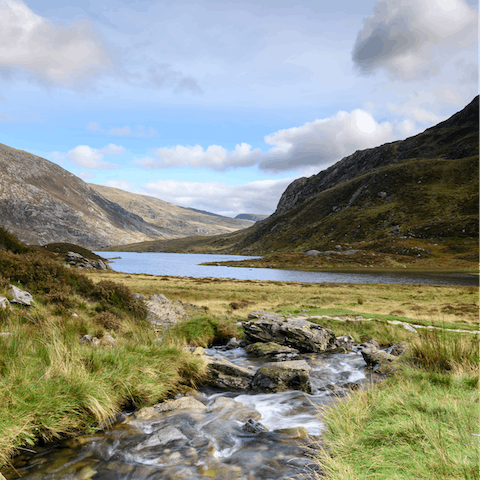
{"x": 225, "y": 374}
{"x": 274, "y": 351}
{"x": 162, "y": 437}
{"x": 294, "y": 332}
{"x": 280, "y": 376}
{"x": 380, "y": 361}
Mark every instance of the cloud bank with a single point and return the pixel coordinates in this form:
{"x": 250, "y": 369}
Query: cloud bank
{"x": 53, "y": 53}
{"x": 405, "y": 38}
{"x": 319, "y": 143}
{"x": 92, "y": 158}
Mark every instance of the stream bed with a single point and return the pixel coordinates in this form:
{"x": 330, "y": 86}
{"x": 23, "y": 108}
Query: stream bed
{"x": 214, "y": 434}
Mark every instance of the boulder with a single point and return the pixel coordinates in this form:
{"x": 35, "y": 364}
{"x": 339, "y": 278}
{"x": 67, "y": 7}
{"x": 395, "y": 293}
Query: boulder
{"x": 273, "y": 351}
{"x": 108, "y": 341}
{"x": 294, "y": 332}
{"x": 346, "y": 341}
{"x": 313, "y": 253}
{"x": 139, "y": 296}
{"x": 73, "y": 258}
{"x": 163, "y": 313}
{"x": 281, "y": 376}
{"x": 379, "y": 361}
{"x": 162, "y": 437}
{"x": 20, "y": 296}
{"x": 225, "y": 374}
{"x": 252, "y": 426}
{"x": 184, "y": 403}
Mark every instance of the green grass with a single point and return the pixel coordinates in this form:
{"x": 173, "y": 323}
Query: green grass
{"x": 419, "y": 424}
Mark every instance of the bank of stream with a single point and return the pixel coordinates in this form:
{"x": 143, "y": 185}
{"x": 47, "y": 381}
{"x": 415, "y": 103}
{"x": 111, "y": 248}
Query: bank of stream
{"x": 212, "y": 434}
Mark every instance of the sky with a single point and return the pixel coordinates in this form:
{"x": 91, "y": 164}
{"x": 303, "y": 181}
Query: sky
{"x": 220, "y": 105}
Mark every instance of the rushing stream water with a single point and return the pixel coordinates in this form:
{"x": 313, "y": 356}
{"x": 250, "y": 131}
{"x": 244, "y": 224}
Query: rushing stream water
{"x": 221, "y": 435}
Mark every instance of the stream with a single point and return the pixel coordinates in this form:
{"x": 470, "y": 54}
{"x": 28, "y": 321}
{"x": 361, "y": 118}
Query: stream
{"x": 213, "y": 434}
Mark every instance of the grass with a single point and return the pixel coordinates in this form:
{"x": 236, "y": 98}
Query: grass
{"x": 420, "y": 424}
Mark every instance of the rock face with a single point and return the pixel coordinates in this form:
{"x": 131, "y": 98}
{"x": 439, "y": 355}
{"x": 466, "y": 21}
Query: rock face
{"x": 281, "y": 376}
{"x": 298, "y": 333}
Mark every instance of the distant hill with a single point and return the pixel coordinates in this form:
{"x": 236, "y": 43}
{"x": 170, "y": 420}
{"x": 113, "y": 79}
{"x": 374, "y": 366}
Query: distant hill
{"x": 251, "y": 216}
{"x": 41, "y": 203}
{"x": 424, "y": 187}
{"x": 172, "y": 220}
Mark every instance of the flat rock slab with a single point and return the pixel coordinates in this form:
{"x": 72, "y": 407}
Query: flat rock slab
{"x": 225, "y": 374}
{"x": 280, "y": 376}
{"x": 273, "y": 351}
{"x": 297, "y": 333}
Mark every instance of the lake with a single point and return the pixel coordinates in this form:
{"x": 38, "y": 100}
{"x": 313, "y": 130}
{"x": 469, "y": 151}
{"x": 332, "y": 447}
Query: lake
{"x": 188, "y": 265}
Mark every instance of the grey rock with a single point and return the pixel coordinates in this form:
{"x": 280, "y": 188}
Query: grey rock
{"x": 184, "y": 403}
{"x": 225, "y": 374}
{"x": 294, "y": 332}
{"x": 162, "y": 437}
{"x": 139, "y": 296}
{"x": 5, "y": 304}
{"x": 381, "y": 194}
{"x": 313, "y": 253}
{"x": 281, "y": 376}
{"x": 397, "y": 349}
{"x": 274, "y": 351}
{"x": 159, "y": 298}
{"x": 379, "y": 361}
{"x": 345, "y": 341}
{"x": 20, "y": 296}
{"x": 252, "y": 426}
{"x": 395, "y": 229}
{"x": 338, "y": 247}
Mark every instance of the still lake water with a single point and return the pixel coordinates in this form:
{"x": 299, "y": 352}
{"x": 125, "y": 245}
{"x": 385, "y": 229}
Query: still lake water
{"x": 188, "y": 265}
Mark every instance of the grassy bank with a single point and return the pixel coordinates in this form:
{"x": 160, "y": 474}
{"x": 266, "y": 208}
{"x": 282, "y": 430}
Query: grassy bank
{"x": 419, "y": 424}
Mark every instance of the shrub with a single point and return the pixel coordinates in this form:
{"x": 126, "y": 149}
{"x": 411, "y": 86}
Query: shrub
{"x": 108, "y": 320}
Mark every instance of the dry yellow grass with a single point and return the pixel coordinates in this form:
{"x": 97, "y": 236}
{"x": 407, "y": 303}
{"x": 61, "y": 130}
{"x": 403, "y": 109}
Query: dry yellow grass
{"x": 448, "y": 305}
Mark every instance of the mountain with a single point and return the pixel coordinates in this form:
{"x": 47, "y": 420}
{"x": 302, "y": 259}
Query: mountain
{"x": 40, "y": 202}
{"x": 423, "y": 188}
{"x": 174, "y": 221}
{"x": 251, "y": 216}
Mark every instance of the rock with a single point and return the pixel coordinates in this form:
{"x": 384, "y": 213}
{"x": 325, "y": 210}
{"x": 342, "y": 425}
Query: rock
{"x": 73, "y": 258}
{"x": 252, "y": 426}
{"x": 345, "y": 341}
{"x": 139, "y": 296}
{"x": 4, "y": 304}
{"x": 159, "y": 298}
{"x": 86, "y": 339}
{"x": 233, "y": 410}
{"x": 20, "y": 296}
{"x": 293, "y": 432}
{"x": 379, "y": 361}
{"x": 232, "y": 343}
{"x": 183, "y": 403}
{"x": 263, "y": 313}
{"x": 281, "y": 376}
{"x": 381, "y": 194}
{"x": 225, "y": 374}
{"x": 273, "y": 350}
{"x": 397, "y": 349}
{"x": 395, "y": 229}
{"x": 313, "y": 253}
{"x": 338, "y": 247}
{"x": 294, "y": 332}
{"x": 162, "y": 437}
{"x": 108, "y": 341}
{"x": 405, "y": 325}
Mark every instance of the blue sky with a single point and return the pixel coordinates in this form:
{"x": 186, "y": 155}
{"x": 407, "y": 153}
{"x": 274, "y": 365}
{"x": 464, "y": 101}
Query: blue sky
{"x": 219, "y": 105}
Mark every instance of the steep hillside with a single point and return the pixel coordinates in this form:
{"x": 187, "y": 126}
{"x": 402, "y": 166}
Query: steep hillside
{"x": 42, "y": 203}
{"x": 251, "y": 216}
{"x": 173, "y": 220}
{"x": 424, "y": 188}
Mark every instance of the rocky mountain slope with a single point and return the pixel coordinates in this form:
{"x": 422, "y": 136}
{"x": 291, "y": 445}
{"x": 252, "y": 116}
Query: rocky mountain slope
{"x": 423, "y": 188}
{"x": 251, "y": 216}
{"x": 40, "y": 202}
{"x": 173, "y": 220}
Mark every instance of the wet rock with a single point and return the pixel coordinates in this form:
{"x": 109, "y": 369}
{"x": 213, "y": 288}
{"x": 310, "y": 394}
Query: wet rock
{"x": 232, "y": 343}
{"x": 20, "y": 296}
{"x": 346, "y": 341}
{"x": 162, "y": 437}
{"x": 230, "y": 409}
{"x": 143, "y": 414}
{"x": 379, "y": 361}
{"x": 281, "y": 376}
{"x": 225, "y": 374}
{"x": 293, "y": 432}
{"x": 183, "y": 403}
{"x": 273, "y": 350}
{"x": 252, "y": 426}
{"x": 298, "y": 333}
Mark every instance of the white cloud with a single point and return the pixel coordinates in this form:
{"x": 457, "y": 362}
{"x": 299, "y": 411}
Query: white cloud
{"x": 121, "y": 131}
{"x": 214, "y": 157}
{"x": 55, "y": 53}
{"x": 87, "y": 157}
{"x": 314, "y": 144}
{"x": 229, "y": 200}
{"x": 407, "y": 38}
{"x": 112, "y": 149}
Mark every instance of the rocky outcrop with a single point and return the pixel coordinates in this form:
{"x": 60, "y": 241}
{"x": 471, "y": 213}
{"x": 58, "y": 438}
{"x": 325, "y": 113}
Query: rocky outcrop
{"x": 225, "y": 374}
{"x": 79, "y": 261}
{"x": 281, "y": 376}
{"x": 297, "y": 333}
